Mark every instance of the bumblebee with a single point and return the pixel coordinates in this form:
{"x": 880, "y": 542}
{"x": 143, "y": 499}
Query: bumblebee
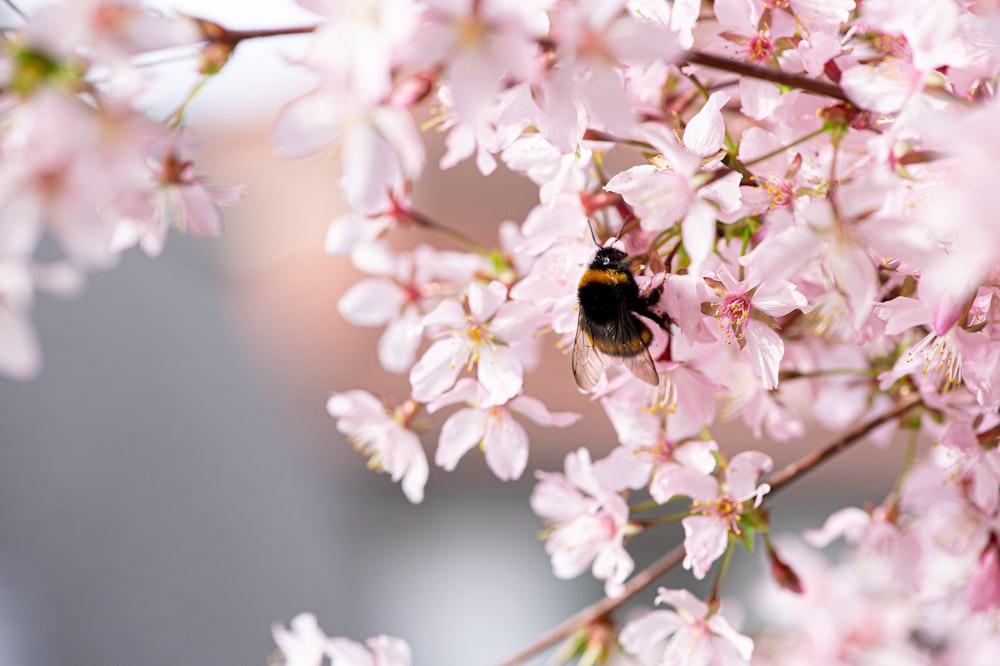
{"x": 609, "y": 331}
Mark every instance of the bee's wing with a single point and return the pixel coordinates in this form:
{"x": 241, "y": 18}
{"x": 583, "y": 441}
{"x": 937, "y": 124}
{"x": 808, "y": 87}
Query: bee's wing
{"x": 642, "y": 367}
{"x": 588, "y": 362}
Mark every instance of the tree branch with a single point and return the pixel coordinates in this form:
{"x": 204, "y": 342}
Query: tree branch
{"x": 647, "y": 576}
{"x": 806, "y": 83}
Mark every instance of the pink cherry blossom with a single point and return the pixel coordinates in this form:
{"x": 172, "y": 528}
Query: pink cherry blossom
{"x": 742, "y": 306}
{"x": 692, "y": 633}
{"x": 484, "y": 339}
{"x": 503, "y": 440}
{"x": 670, "y": 190}
{"x": 177, "y": 199}
{"x": 716, "y": 507}
{"x": 588, "y": 522}
{"x": 381, "y": 434}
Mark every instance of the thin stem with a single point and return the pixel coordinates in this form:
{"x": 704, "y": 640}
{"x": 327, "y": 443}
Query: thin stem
{"x": 909, "y": 457}
{"x": 14, "y": 8}
{"x": 176, "y": 119}
{"x": 723, "y": 567}
{"x": 787, "y": 375}
{"x": 778, "y": 151}
{"x": 663, "y": 520}
{"x": 227, "y": 36}
{"x": 650, "y": 574}
{"x": 456, "y": 235}
{"x": 806, "y": 83}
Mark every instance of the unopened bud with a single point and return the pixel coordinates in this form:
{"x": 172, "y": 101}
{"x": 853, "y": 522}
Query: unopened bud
{"x": 783, "y": 574}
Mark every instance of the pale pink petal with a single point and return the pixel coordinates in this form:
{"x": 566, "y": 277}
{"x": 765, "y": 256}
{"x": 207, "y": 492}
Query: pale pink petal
{"x": 646, "y": 632}
{"x": 354, "y": 409}
{"x": 485, "y": 300}
{"x": 759, "y": 99}
{"x": 397, "y": 347}
{"x": 849, "y": 523}
{"x": 683, "y": 601}
{"x": 554, "y": 499}
{"x": 705, "y": 539}
{"x": 505, "y": 445}
{"x": 307, "y": 124}
{"x": 403, "y": 458}
{"x": 370, "y": 302}
{"x": 613, "y": 565}
{"x": 698, "y": 232}
{"x": 447, "y": 314}
{"x": 706, "y": 131}
{"x": 697, "y": 454}
{"x": 676, "y": 480}
{"x": 438, "y": 368}
{"x": 883, "y": 88}
{"x": 200, "y": 213}
{"x": 372, "y": 169}
{"x": 500, "y": 373}
{"x": 683, "y": 17}
{"x": 399, "y": 130}
{"x": 743, "y": 472}
{"x": 766, "y": 349}
{"x": 903, "y": 313}
{"x": 537, "y": 412}
{"x": 461, "y": 432}
{"x": 721, "y": 628}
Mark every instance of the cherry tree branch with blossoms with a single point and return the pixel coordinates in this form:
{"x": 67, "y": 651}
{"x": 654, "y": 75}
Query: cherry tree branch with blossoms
{"x": 809, "y": 239}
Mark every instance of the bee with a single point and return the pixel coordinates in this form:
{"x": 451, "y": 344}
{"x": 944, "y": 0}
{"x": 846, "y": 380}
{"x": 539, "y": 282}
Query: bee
{"x": 609, "y": 331}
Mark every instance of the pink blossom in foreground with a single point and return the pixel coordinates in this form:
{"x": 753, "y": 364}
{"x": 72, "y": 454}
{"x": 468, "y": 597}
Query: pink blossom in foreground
{"x": 485, "y": 338}
{"x": 692, "y": 633}
{"x": 589, "y": 523}
{"x": 503, "y": 440}
{"x": 716, "y": 507}
{"x": 742, "y": 308}
{"x": 381, "y": 434}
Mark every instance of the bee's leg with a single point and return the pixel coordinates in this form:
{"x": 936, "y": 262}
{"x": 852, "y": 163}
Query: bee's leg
{"x": 651, "y": 299}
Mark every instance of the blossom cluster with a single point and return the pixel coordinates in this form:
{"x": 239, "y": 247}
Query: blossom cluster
{"x": 804, "y": 189}
{"x": 81, "y": 164}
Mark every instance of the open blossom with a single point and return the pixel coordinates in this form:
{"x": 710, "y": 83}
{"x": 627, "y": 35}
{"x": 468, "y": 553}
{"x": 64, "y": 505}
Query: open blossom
{"x": 485, "y": 338}
{"x": 589, "y": 523}
{"x": 381, "y": 435}
{"x": 503, "y": 440}
{"x": 665, "y": 192}
{"x": 692, "y": 633}
{"x": 742, "y": 308}
{"x": 716, "y": 507}
{"x": 173, "y": 198}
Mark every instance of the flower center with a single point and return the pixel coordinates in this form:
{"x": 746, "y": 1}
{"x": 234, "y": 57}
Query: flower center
{"x": 732, "y": 313}
{"x": 724, "y": 508}
{"x": 760, "y": 47}
{"x": 942, "y": 362}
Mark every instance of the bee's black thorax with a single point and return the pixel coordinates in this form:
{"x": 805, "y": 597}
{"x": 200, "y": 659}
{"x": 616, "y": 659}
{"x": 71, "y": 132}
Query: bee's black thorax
{"x": 607, "y": 286}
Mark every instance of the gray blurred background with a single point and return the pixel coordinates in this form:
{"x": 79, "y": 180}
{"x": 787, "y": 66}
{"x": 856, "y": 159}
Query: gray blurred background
{"x": 171, "y": 484}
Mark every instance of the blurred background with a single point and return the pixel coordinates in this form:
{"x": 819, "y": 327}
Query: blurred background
{"x": 172, "y": 484}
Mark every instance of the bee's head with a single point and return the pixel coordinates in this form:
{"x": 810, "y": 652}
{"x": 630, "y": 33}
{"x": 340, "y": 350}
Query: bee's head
{"x": 609, "y": 257}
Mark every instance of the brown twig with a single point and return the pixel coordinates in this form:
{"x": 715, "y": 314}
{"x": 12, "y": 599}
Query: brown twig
{"x": 806, "y": 83}
{"x": 638, "y": 582}
{"x": 647, "y": 576}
